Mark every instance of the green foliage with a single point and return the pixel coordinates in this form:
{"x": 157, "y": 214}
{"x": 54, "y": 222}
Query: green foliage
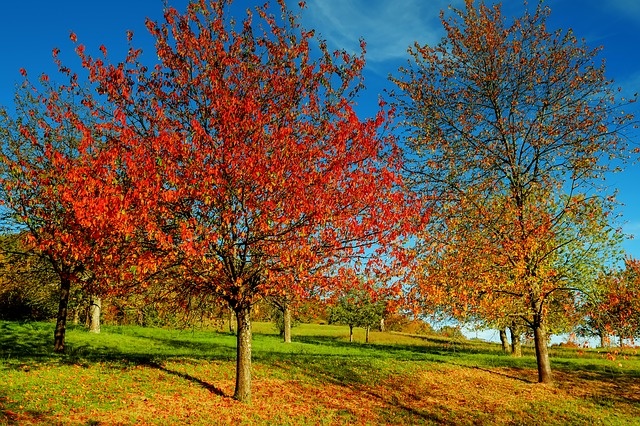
{"x": 357, "y": 309}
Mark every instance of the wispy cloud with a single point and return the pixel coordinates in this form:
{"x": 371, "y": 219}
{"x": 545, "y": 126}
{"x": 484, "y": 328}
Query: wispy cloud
{"x": 630, "y": 84}
{"x": 388, "y": 27}
{"x": 629, "y": 8}
{"x": 632, "y": 228}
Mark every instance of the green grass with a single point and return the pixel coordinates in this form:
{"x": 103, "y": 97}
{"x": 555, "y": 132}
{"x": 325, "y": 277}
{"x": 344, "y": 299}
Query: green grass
{"x": 135, "y": 375}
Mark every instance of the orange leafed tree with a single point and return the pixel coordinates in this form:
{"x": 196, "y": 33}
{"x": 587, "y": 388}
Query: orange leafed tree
{"x": 251, "y": 172}
{"x": 511, "y": 127}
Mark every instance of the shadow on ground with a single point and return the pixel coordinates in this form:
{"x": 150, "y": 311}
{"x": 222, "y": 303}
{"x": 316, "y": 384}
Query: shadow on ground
{"x": 15, "y": 344}
{"x": 25, "y": 346}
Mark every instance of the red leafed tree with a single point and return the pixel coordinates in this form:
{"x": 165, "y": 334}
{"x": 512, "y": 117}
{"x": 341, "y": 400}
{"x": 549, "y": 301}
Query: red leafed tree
{"x": 622, "y": 302}
{"x": 253, "y": 174}
{"x": 614, "y": 307}
{"x": 512, "y": 127}
{"x": 53, "y": 176}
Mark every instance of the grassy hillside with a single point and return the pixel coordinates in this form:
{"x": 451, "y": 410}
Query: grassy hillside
{"x": 133, "y": 375}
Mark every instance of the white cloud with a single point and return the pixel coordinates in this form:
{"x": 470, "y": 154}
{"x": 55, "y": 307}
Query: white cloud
{"x": 388, "y": 27}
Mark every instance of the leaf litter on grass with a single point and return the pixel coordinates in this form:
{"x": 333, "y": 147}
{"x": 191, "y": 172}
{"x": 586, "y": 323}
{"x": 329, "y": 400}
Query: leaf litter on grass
{"x": 329, "y": 384}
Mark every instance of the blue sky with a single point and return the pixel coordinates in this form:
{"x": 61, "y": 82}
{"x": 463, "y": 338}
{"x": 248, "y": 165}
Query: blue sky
{"x": 30, "y": 29}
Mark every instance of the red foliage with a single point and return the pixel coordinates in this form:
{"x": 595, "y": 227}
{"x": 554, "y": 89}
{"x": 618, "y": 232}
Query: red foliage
{"x": 616, "y": 309}
{"x": 238, "y": 164}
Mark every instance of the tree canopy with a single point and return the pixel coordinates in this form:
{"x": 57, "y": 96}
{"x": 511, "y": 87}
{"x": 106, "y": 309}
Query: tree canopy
{"x": 510, "y": 130}
{"x": 236, "y": 166}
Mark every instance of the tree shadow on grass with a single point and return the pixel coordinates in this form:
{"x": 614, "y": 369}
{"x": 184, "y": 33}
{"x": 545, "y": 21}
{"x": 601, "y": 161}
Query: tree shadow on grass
{"x": 518, "y": 377}
{"x": 208, "y": 386}
{"x": 396, "y": 351}
{"x": 204, "y": 349}
{"x": 26, "y": 346}
{"x": 349, "y": 369}
{"x": 466, "y": 354}
{"x": 357, "y": 374}
{"x": 436, "y": 414}
{"x": 16, "y": 345}
{"x": 427, "y": 344}
{"x": 606, "y": 387}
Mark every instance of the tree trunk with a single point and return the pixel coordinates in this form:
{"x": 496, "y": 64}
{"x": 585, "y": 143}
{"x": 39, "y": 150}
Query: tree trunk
{"x": 286, "y": 314}
{"x": 61, "y": 320}
{"x": 366, "y": 336}
{"x": 542, "y": 352}
{"x": 382, "y": 324}
{"x": 95, "y": 308}
{"x": 516, "y": 341}
{"x": 231, "y": 330}
{"x": 350, "y": 334}
{"x": 503, "y": 340}
{"x": 243, "y": 355}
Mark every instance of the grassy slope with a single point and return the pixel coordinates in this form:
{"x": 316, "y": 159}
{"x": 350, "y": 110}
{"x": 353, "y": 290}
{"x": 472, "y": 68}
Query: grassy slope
{"x": 132, "y": 375}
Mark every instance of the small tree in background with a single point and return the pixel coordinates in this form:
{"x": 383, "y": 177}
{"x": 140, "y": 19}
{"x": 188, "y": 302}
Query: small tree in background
{"x": 283, "y": 315}
{"x": 357, "y": 309}
{"x": 614, "y": 308}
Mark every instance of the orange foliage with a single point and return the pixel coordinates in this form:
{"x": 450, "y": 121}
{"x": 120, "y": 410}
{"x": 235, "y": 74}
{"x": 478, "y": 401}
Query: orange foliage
{"x": 508, "y": 123}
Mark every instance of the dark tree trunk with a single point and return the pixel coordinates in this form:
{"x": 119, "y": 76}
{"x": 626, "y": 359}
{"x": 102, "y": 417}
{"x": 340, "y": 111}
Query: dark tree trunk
{"x": 503, "y": 340}
{"x": 350, "y": 333}
{"x": 516, "y": 340}
{"x": 286, "y": 314}
{"x": 542, "y": 352}
{"x": 366, "y": 336}
{"x": 243, "y": 354}
{"x": 95, "y": 308}
{"x": 61, "y": 320}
